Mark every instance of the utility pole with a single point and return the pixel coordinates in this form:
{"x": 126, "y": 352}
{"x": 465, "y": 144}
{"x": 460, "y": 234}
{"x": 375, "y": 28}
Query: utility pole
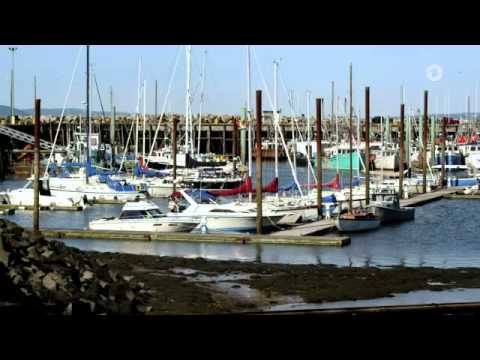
{"x": 12, "y": 86}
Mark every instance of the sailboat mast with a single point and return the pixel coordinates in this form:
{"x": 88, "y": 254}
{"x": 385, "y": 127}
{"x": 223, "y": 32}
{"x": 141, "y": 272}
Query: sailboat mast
{"x": 138, "y": 108}
{"x": 275, "y": 114}
{"x": 350, "y": 135}
{"x": 144, "y": 117}
{"x": 309, "y": 137}
{"x": 336, "y": 131}
{"x": 188, "y": 52}
{"x": 87, "y": 121}
{"x": 249, "y": 118}
{"x": 202, "y": 98}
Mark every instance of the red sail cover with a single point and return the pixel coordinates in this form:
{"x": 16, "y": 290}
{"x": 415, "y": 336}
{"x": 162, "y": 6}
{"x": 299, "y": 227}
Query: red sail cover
{"x": 271, "y": 187}
{"x": 332, "y": 184}
{"x": 245, "y": 188}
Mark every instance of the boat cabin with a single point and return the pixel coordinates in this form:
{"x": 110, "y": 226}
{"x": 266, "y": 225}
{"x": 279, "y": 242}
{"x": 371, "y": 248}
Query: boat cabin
{"x": 140, "y": 210}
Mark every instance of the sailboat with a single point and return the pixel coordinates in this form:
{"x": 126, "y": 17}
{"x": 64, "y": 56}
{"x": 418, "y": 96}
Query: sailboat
{"x": 355, "y": 219}
{"x": 86, "y": 184}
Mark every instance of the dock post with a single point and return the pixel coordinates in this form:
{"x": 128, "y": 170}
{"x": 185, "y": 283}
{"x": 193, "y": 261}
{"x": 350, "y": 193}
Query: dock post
{"x": 367, "y": 145}
{"x": 112, "y": 134}
{"x": 444, "y": 138}
{"x": 258, "y": 161}
{"x": 402, "y": 150}
{"x": 425, "y": 140}
{"x": 234, "y": 138}
{"x": 319, "y": 157}
{"x": 174, "y": 151}
{"x": 243, "y": 136}
{"x": 36, "y": 170}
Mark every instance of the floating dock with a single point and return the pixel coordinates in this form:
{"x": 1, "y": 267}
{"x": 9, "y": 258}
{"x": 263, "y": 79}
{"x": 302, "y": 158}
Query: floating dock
{"x": 457, "y": 196}
{"x": 422, "y": 199}
{"x": 312, "y": 228}
{"x": 5, "y": 207}
{"x": 327, "y": 240}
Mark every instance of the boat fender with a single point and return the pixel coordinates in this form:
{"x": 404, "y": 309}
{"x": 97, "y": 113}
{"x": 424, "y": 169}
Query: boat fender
{"x": 203, "y": 225}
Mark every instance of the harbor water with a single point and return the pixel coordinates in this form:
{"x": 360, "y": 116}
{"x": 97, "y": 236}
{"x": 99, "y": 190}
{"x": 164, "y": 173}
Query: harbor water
{"x": 443, "y": 234}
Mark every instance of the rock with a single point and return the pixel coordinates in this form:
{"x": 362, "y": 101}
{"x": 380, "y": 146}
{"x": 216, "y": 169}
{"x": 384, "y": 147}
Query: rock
{"x": 130, "y": 295}
{"x": 47, "y": 253}
{"x": 144, "y": 309}
{"x": 127, "y": 278}
{"x": 87, "y": 275}
{"x": 49, "y": 282}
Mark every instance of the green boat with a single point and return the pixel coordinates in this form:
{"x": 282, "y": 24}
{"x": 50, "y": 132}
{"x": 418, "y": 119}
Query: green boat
{"x": 343, "y": 161}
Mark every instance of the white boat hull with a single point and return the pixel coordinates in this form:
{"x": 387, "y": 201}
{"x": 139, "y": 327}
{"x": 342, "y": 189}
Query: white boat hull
{"x": 24, "y": 197}
{"x": 95, "y": 192}
{"x": 164, "y": 225}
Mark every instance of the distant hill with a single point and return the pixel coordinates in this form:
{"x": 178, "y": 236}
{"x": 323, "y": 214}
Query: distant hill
{"x": 5, "y": 111}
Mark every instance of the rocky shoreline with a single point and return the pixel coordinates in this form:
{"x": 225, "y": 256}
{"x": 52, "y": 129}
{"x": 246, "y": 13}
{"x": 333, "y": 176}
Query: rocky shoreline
{"x": 47, "y": 277}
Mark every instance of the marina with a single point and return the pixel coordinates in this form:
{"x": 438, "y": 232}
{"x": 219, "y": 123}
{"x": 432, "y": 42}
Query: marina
{"x": 328, "y": 184}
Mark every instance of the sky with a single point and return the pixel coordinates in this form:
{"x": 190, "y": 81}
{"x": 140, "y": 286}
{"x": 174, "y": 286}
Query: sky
{"x": 447, "y": 72}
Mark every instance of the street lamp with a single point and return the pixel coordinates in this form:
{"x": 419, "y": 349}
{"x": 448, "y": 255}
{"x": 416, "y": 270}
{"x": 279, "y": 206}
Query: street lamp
{"x": 12, "y": 85}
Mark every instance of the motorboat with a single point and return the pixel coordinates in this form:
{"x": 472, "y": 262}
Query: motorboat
{"x": 143, "y": 216}
{"x": 357, "y": 220}
{"x": 234, "y": 216}
{"x": 24, "y": 197}
{"x": 386, "y": 205}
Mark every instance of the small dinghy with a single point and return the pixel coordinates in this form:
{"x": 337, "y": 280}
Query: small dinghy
{"x": 386, "y": 205}
{"x": 143, "y": 216}
{"x": 357, "y": 220}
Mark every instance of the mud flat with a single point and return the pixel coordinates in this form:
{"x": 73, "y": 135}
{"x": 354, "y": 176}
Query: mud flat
{"x": 199, "y": 286}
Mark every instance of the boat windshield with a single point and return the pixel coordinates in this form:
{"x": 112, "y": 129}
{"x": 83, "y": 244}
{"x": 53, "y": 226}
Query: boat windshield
{"x": 141, "y": 214}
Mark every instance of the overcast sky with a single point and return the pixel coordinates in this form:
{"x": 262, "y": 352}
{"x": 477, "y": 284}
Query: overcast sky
{"x": 446, "y": 71}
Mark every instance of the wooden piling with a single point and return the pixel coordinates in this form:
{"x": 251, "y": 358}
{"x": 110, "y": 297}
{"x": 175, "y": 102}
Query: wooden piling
{"x": 402, "y": 150}
{"x": 36, "y": 171}
{"x": 174, "y": 151}
{"x": 319, "y": 157}
{"x": 258, "y": 161}
{"x": 425, "y": 140}
{"x": 367, "y": 145}
{"x": 444, "y": 137}
{"x": 235, "y": 138}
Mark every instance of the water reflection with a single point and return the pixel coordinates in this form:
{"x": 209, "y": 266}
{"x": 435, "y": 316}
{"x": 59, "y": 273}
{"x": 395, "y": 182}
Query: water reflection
{"x": 444, "y": 234}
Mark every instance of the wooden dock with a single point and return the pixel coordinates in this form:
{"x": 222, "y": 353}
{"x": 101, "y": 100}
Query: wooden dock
{"x": 311, "y": 228}
{"x": 43, "y": 208}
{"x": 456, "y": 196}
{"x": 422, "y": 199}
{"x": 327, "y": 240}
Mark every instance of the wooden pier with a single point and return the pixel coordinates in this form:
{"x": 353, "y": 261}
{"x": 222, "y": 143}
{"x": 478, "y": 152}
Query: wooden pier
{"x": 327, "y": 240}
{"x": 457, "y": 196}
{"x": 308, "y": 229}
{"x": 422, "y": 199}
{"x": 5, "y": 207}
